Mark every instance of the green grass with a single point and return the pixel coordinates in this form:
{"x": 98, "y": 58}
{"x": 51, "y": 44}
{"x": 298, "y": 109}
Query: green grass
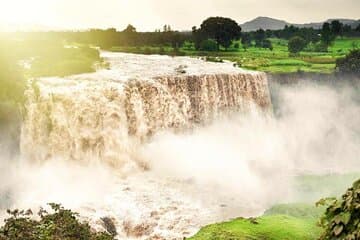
{"x": 290, "y": 221}
{"x": 271, "y": 227}
{"x": 297, "y": 210}
{"x": 283, "y": 221}
{"x": 276, "y": 61}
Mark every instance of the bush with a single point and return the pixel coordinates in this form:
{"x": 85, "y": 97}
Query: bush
{"x": 209, "y": 45}
{"x": 350, "y": 64}
{"x": 62, "y": 224}
{"x": 267, "y": 44}
{"x": 296, "y": 45}
{"x": 342, "y": 217}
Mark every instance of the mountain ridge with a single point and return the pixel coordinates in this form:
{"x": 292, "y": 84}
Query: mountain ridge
{"x": 268, "y": 23}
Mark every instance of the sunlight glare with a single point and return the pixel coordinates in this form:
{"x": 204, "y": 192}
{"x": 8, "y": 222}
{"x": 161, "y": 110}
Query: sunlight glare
{"x": 25, "y": 12}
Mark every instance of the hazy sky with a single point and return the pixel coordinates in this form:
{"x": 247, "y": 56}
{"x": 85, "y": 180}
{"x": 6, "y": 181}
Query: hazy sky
{"x": 151, "y": 14}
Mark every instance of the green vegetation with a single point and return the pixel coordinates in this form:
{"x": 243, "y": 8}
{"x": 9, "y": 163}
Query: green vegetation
{"x": 260, "y": 50}
{"x": 297, "y": 210}
{"x": 60, "y": 224}
{"x": 209, "y": 45}
{"x": 283, "y": 221}
{"x": 222, "y": 30}
{"x": 300, "y": 220}
{"x": 296, "y": 44}
{"x": 272, "y": 227}
{"x": 277, "y": 60}
{"x": 289, "y": 50}
{"x": 342, "y": 217}
{"x": 350, "y": 64}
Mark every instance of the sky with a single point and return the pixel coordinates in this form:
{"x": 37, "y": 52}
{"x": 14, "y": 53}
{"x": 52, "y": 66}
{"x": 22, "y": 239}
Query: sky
{"x": 148, "y": 15}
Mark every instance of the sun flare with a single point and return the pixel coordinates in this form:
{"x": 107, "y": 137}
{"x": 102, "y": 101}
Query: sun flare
{"x": 25, "y": 12}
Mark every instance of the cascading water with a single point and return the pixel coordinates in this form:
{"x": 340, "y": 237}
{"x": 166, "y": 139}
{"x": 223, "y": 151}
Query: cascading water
{"x": 102, "y": 115}
{"x": 105, "y": 117}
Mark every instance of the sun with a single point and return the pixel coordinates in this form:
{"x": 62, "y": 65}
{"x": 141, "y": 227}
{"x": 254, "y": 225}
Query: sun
{"x": 25, "y": 12}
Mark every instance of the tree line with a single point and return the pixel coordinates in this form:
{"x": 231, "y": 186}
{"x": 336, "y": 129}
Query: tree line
{"x": 214, "y": 34}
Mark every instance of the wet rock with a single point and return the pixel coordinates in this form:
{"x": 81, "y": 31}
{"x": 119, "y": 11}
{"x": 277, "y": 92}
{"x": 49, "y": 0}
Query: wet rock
{"x": 109, "y": 225}
{"x": 139, "y": 230}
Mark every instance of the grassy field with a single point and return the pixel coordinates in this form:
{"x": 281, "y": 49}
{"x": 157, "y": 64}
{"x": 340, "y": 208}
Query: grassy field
{"x": 271, "y": 227}
{"x": 291, "y": 221}
{"x": 275, "y": 61}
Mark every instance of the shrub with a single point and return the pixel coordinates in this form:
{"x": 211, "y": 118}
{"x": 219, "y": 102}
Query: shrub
{"x": 267, "y": 44}
{"x": 209, "y": 45}
{"x": 342, "y": 217}
{"x": 62, "y": 224}
{"x": 296, "y": 45}
{"x": 350, "y": 64}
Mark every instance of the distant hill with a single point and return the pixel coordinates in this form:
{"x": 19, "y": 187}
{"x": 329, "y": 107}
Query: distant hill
{"x": 264, "y": 23}
{"x": 276, "y": 24}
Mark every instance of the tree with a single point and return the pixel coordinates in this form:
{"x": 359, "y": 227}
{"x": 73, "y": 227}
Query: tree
{"x": 267, "y": 44}
{"x": 350, "y": 64}
{"x": 222, "y": 30}
{"x": 167, "y": 28}
{"x": 327, "y": 35}
{"x": 246, "y": 40}
{"x": 337, "y": 28}
{"x": 129, "y": 29}
{"x": 61, "y": 224}
{"x": 296, "y": 44}
{"x": 260, "y": 36}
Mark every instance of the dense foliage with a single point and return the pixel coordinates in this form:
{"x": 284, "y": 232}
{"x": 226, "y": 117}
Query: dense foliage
{"x": 209, "y": 45}
{"x": 223, "y": 30}
{"x": 62, "y": 224}
{"x": 342, "y": 217}
{"x": 296, "y": 44}
{"x": 350, "y": 64}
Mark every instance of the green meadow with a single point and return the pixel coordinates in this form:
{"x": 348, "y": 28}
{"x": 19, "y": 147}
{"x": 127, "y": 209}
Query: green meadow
{"x": 277, "y": 60}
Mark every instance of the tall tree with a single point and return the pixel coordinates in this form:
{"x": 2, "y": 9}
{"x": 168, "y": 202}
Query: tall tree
{"x": 222, "y": 30}
{"x": 327, "y": 35}
{"x": 260, "y": 36}
{"x": 337, "y": 28}
{"x": 129, "y": 29}
{"x": 246, "y": 40}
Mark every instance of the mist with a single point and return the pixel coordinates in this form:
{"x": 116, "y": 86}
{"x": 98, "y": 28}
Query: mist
{"x": 316, "y": 131}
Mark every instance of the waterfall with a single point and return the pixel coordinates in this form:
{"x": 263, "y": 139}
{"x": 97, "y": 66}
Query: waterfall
{"x": 113, "y": 116}
{"x": 104, "y": 115}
